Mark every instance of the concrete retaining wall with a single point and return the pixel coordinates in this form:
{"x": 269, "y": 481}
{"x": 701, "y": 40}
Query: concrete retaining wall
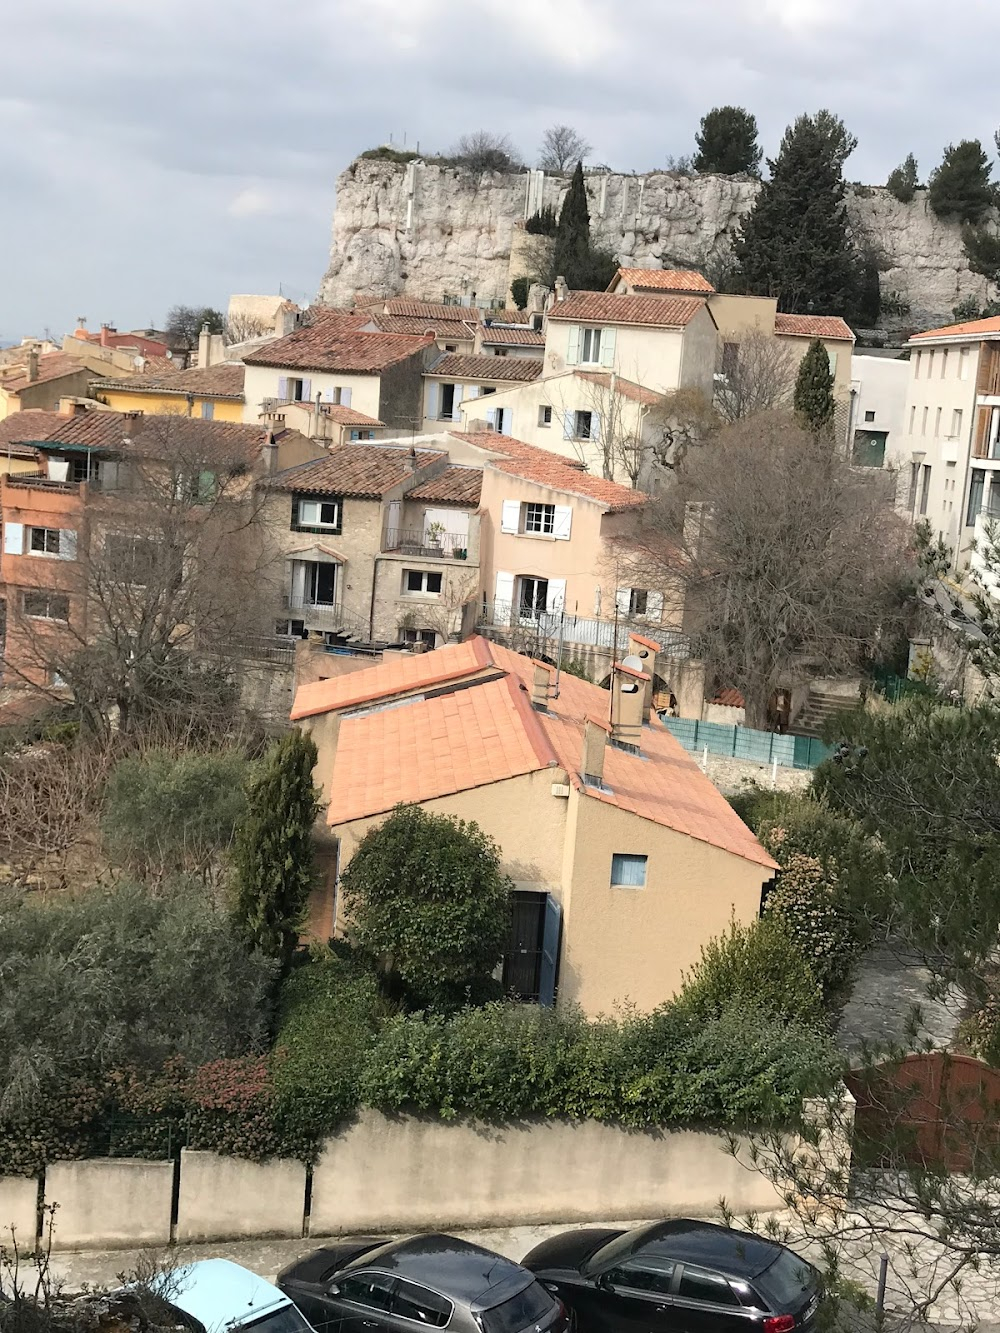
{"x": 109, "y": 1202}
{"x": 384, "y": 1173}
{"x": 222, "y": 1198}
{"x": 18, "y": 1209}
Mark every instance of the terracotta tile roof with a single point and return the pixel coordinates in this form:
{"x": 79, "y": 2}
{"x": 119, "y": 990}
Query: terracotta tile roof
{"x": 345, "y": 320}
{"x": 224, "y": 442}
{"x": 489, "y": 732}
{"x": 458, "y": 366}
{"x": 418, "y": 326}
{"x": 813, "y": 326}
{"x": 546, "y": 469}
{"x": 156, "y": 365}
{"x": 406, "y": 305}
{"x": 729, "y": 699}
{"x": 627, "y": 388}
{"x": 364, "y": 471}
{"x": 324, "y": 345}
{"x": 31, "y": 424}
{"x": 501, "y": 337}
{"x": 221, "y": 381}
{"x": 663, "y": 279}
{"x": 665, "y": 312}
{"x": 347, "y": 416}
{"x": 419, "y": 671}
{"x": 51, "y": 366}
{"x": 969, "y": 329}
{"x": 456, "y": 485}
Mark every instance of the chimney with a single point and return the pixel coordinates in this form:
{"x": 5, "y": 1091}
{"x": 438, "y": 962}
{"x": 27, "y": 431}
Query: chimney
{"x": 595, "y": 743}
{"x": 645, "y": 650}
{"x": 105, "y": 330}
{"x": 562, "y": 291}
{"x": 540, "y": 685}
{"x": 411, "y": 460}
{"x": 269, "y": 453}
{"x": 204, "y": 347}
{"x": 31, "y": 366}
{"x": 627, "y": 702}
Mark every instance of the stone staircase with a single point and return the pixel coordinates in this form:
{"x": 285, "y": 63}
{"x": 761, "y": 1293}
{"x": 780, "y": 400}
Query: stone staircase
{"x": 818, "y": 708}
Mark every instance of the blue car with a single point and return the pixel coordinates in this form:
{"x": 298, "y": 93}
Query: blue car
{"x": 216, "y": 1295}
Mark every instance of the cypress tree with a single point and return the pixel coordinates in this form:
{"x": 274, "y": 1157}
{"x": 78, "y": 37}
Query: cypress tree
{"x": 814, "y": 403}
{"x": 795, "y": 244}
{"x": 571, "y": 257}
{"x": 273, "y": 854}
{"x": 727, "y": 142}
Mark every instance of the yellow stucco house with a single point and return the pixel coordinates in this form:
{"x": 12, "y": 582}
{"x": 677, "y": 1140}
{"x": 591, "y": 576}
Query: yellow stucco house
{"x": 214, "y": 393}
{"x": 626, "y": 860}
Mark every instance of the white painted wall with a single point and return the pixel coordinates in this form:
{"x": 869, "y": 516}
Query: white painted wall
{"x": 264, "y": 382}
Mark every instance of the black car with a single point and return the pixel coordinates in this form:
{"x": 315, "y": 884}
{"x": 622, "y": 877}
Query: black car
{"x": 433, "y": 1281}
{"x": 679, "y": 1277}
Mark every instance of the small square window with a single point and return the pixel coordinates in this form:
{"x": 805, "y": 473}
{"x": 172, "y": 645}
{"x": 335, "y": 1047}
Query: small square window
{"x": 583, "y": 426}
{"x": 628, "y": 871}
{"x": 422, "y": 581}
{"x": 545, "y": 415}
{"x": 869, "y": 416}
{"x": 540, "y": 518}
{"x": 45, "y": 541}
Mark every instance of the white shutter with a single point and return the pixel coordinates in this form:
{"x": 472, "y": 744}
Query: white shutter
{"x": 510, "y": 516}
{"x": 654, "y": 605}
{"x": 472, "y": 390}
{"x": 109, "y": 475}
{"x": 597, "y": 601}
{"x": 432, "y": 400}
{"x": 504, "y": 587}
{"x": 13, "y": 539}
{"x": 595, "y": 427}
{"x": 491, "y": 418}
{"x": 58, "y": 469}
{"x": 67, "y": 544}
{"x": 503, "y": 421}
{"x": 298, "y": 583}
{"x": 456, "y": 411}
{"x": 608, "y": 347}
{"x": 833, "y": 361}
{"x": 307, "y": 386}
{"x": 328, "y": 394}
{"x": 623, "y": 598}
{"x": 563, "y": 522}
{"x": 555, "y": 595}
{"x": 345, "y": 398}
{"x": 573, "y": 346}
{"x": 283, "y": 388}
{"x": 568, "y": 425}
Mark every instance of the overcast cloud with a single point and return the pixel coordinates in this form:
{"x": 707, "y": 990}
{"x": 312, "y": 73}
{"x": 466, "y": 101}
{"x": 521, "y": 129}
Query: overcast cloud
{"x": 181, "y": 151}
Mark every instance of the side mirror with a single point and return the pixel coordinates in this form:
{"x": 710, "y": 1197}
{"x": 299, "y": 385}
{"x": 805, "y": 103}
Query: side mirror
{"x": 604, "y": 1282}
{"x": 333, "y": 1289}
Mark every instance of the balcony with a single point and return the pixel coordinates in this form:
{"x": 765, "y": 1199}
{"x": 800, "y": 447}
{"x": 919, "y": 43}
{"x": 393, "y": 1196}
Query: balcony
{"x": 547, "y": 629}
{"x": 438, "y": 546}
{"x": 329, "y": 617}
{"x": 36, "y": 482}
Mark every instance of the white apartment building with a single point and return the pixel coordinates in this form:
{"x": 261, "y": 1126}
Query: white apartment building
{"x": 879, "y": 387}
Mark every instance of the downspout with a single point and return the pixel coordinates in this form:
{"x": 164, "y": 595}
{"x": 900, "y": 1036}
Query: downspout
{"x": 371, "y": 608}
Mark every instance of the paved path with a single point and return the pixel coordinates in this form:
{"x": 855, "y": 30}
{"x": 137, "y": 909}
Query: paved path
{"x": 890, "y": 985}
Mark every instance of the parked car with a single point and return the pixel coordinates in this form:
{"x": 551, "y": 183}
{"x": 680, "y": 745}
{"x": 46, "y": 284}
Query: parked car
{"x": 678, "y": 1277}
{"x": 216, "y": 1295}
{"x": 436, "y": 1281}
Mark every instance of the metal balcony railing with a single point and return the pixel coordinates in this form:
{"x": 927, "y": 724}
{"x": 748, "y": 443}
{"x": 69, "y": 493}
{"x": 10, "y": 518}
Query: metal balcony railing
{"x": 413, "y": 541}
{"x": 327, "y": 616}
{"x": 586, "y": 631}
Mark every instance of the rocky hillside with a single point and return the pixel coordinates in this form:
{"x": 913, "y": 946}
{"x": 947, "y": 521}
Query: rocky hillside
{"x": 428, "y": 231}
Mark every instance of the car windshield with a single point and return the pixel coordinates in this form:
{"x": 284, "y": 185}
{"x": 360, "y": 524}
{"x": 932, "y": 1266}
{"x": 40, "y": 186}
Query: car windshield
{"x": 786, "y": 1281}
{"x": 285, "y": 1319}
{"x": 527, "y": 1307}
{"x": 618, "y": 1249}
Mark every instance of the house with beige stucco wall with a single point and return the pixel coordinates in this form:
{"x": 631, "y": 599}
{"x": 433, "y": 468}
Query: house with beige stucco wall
{"x": 456, "y": 378}
{"x": 625, "y": 858}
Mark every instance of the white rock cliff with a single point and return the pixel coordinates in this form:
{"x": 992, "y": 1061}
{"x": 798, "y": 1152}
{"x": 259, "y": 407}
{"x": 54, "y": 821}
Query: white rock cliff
{"x": 429, "y": 231}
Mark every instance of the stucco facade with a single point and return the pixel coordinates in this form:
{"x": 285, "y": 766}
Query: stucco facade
{"x": 170, "y": 404}
{"x": 659, "y": 358}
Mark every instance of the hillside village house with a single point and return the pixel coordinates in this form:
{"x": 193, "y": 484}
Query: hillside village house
{"x": 377, "y": 374}
{"x": 325, "y": 421}
{"x": 626, "y": 859}
{"x": 495, "y": 339}
{"x": 879, "y": 384}
{"x": 43, "y": 380}
{"x": 212, "y": 392}
{"x": 457, "y": 378}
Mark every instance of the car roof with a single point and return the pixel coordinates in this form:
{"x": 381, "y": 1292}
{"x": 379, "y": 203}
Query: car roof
{"x": 455, "y": 1268}
{"x": 739, "y": 1253}
{"x": 219, "y": 1293}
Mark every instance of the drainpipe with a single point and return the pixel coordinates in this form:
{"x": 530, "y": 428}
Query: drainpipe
{"x": 371, "y": 607}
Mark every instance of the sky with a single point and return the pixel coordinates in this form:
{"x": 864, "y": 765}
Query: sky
{"x": 155, "y": 153}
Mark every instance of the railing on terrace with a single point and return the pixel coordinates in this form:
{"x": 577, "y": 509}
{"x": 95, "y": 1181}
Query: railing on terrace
{"x": 27, "y": 481}
{"x": 327, "y": 616}
{"x": 762, "y": 747}
{"x": 585, "y": 631}
{"x": 413, "y": 541}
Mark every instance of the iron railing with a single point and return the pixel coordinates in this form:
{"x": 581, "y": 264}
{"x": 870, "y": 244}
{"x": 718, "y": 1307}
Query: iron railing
{"x": 585, "y": 631}
{"x": 330, "y": 617}
{"x": 414, "y": 541}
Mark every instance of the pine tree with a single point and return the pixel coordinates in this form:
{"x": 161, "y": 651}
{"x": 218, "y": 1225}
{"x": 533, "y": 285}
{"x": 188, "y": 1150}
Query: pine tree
{"x": 727, "y": 142}
{"x": 273, "y": 855}
{"x": 795, "y": 244}
{"x": 960, "y": 187}
{"x": 903, "y": 182}
{"x": 814, "y": 403}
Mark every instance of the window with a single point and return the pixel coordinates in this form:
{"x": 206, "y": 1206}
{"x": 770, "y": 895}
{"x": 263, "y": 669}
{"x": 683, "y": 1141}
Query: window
{"x": 944, "y": 363}
{"x": 628, "y": 871}
{"x": 913, "y": 419}
{"x": 427, "y": 636}
{"x": 371, "y": 1289}
{"x": 590, "y": 346}
{"x": 321, "y": 583}
{"x": 956, "y": 422}
{"x": 323, "y": 515}
{"x": 207, "y": 411}
{"x": 730, "y": 359}
{"x": 362, "y": 435}
{"x": 198, "y": 487}
{"x": 545, "y": 415}
{"x": 930, "y": 364}
{"x": 426, "y": 581}
{"x": 637, "y": 599}
{"x": 976, "y": 487}
{"x": 916, "y": 365}
{"x": 411, "y": 1301}
{"x": 296, "y": 389}
{"x": 533, "y": 596}
{"x": 963, "y": 364}
{"x": 937, "y": 422}
{"x": 925, "y": 488}
{"x": 500, "y": 351}
{"x": 533, "y": 1305}
{"x": 451, "y": 347}
{"x": 43, "y": 605}
{"x": 869, "y": 416}
{"x": 44, "y": 541}
{"x": 583, "y": 425}
{"x": 85, "y": 469}
{"x": 447, "y": 402}
{"x": 923, "y": 421}
{"x": 536, "y": 323}
{"x": 540, "y": 518}
{"x": 484, "y": 389}
{"x": 648, "y": 1273}
{"x": 699, "y": 1285}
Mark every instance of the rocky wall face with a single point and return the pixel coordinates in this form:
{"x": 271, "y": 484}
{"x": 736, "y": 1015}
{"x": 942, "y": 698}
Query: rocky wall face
{"x": 430, "y": 231}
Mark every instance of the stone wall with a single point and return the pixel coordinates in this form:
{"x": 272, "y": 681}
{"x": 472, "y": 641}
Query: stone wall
{"x": 427, "y": 231}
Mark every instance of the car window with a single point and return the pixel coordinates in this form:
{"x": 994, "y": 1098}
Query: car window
{"x": 412, "y": 1301}
{"x": 646, "y": 1274}
{"x": 529, "y": 1306}
{"x": 786, "y": 1281}
{"x": 371, "y": 1289}
{"x": 699, "y": 1285}
{"x": 286, "y": 1319}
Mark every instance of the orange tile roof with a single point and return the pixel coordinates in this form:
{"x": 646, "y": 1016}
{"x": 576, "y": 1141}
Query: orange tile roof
{"x": 663, "y": 279}
{"x": 322, "y": 346}
{"x": 456, "y": 485}
{"x": 462, "y": 366}
{"x": 667, "y": 312}
{"x": 969, "y": 329}
{"x": 502, "y": 337}
{"x": 418, "y": 671}
{"x": 460, "y": 330}
{"x": 813, "y": 326}
{"x": 406, "y": 305}
{"x": 220, "y": 381}
{"x": 51, "y": 366}
{"x": 365, "y": 471}
{"x": 488, "y": 732}
{"x": 627, "y": 388}
{"x": 547, "y": 469}
{"x": 347, "y": 416}
{"x": 31, "y": 424}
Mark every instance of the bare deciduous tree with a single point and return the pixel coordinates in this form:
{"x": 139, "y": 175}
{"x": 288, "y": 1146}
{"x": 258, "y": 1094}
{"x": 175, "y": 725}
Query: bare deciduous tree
{"x": 562, "y": 148}
{"x": 483, "y": 150}
{"x": 241, "y": 326}
{"x": 790, "y": 561}
{"x": 758, "y": 375}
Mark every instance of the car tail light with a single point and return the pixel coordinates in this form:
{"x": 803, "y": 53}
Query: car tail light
{"x": 779, "y": 1323}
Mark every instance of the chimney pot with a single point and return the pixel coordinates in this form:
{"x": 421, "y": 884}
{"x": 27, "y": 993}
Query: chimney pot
{"x": 540, "y": 686}
{"x": 595, "y": 743}
{"x": 627, "y": 703}
{"x": 562, "y": 290}
{"x": 31, "y": 366}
